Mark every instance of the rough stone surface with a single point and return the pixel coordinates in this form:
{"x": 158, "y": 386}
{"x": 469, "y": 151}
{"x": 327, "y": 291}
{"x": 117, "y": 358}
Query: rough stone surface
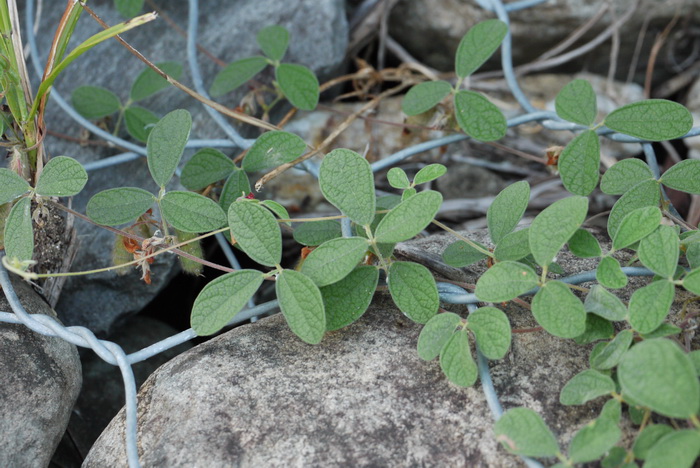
{"x": 257, "y": 396}
{"x": 40, "y": 378}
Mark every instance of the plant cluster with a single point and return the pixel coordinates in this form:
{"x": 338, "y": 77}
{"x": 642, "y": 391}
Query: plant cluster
{"x": 640, "y": 366}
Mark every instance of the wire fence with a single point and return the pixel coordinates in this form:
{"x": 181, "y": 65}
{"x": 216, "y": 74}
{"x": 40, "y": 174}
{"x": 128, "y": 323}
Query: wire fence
{"x": 113, "y": 354}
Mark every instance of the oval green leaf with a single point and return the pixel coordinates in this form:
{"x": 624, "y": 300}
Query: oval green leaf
{"x": 649, "y": 436}
{"x": 505, "y": 281}
{"x": 166, "y": 143}
{"x": 299, "y": 85}
{"x": 683, "y": 176}
{"x": 11, "y": 186}
{"x": 273, "y": 41}
{"x": 479, "y": 117}
{"x": 652, "y": 120}
{"x": 460, "y": 254}
{"x": 558, "y": 310}
{"x": 586, "y": 386}
{"x": 584, "y": 245}
{"x": 576, "y": 102}
{"x": 19, "y": 235}
{"x": 409, "y": 217}
{"x": 506, "y": 210}
{"x": 659, "y": 251}
{"x": 436, "y": 333}
{"x": 206, "y": 167}
{"x": 610, "y": 274}
{"x": 62, "y": 177}
{"x": 523, "y": 432}
{"x": 349, "y": 298}
{"x": 456, "y": 361}
{"x": 492, "y": 331}
{"x": 610, "y": 354}
{"x": 624, "y": 175}
{"x": 119, "y": 206}
{"x": 645, "y": 193}
{"x": 480, "y": 42}
{"x": 593, "y": 440}
{"x": 150, "y": 82}
{"x": 514, "y": 246}
{"x": 317, "y": 232}
{"x": 691, "y": 282}
{"x": 256, "y": 231}
{"x": 413, "y": 290}
{"x": 424, "y": 96}
{"x": 334, "y": 260}
{"x": 554, "y": 226}
{"x": 236, "y": 74}
{"x": 579, "y": 164}
{"x": 94, "y": 102}
{"x": 428, "y": 173}
{"x": 347, "y": 182}
{"x": 192, "y": 212}
{"x": 222, "y": 299}
{"x": 650, "y": 305}
{"x": 139, "y": 122}
{"x": 653, "y": 371}
{"x": 597, "y": 328}
{"x": 605, "y": 304}
{"x": 397, "y": 178}
{"x": 678, "y": 448}
{"x": 272, "y": 149}
{"x": 302, "y": 305}
{"x": 279, "y": 210}
{"x": 636, "y": 225}
{"x": 237, "y": 185}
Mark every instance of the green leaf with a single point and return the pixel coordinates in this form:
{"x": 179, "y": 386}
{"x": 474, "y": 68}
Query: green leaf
{"x": 652, "y": 120}
{"x": 317, "y": 232}
{"x": 605, "y": 304}
{"x": 649, "y": 436}
{"x": 413, "y": 290}
{"x": 616, "y": 459}
{"x": 273, "y": 41}
{"x": 576, "y": 102}
{"x": 128, "y": 8}
{"x": 609, "y": 356}
{"x": 149, "y": 82}
{"x": 302, "y": 305}
{"x": 347, "y": 182}
{"x": 277, "y": 209}
{"x": 334, "y": 260}
{"x": 436, "y": 333}
{"x": 663, "y": 330}
{"x": 610, "y": 274}
{"x": 236, "y": 74}
{"x": 624, "y": 175}
{"x": 346, "y": 300}
{"x": 558, "y": 310}
{"x": 94, "y": 102}
{"x": 659, "y": 251}
{"x": 166, "y": 143}
{"x": 192, "y": 212}
{"x": 206, "y": 167}
{"x": 636, "y": 225}
{"x": 222, "y": 298}
{"x": 594, "y": 440}
{"x": 62, "y": 177}
{"x": 597, "y": 328}
{"x": 579, "y": 163}
{"x": 19, "y": 235}
{"x": 692, "y": 254}
{"x": 424, "y": 96}
{"x": 409, "y": 218}
{"x": 299, "y": 85}
{"x": 456, "y": 361}
{"x": 691, "y": 281}
{"x": 492, "y": 331}
{"x": 480, "y": 42}
{"x": 460, "y": 254}
{"x": 513, "y": 246}
{"x": 256, "y": 231}
{"x": 654, "y": 370}
{"x": 11, "y": 186}
{"x": 649, "y": 305}
{"x": 237, "y": 185}
{"x": 554, "y": 226}
{"x": 643, "y": 194}
{"x": 428, "y": 173}
{"x": 584, "y": 245}
{"x": 479, "y": 117}
{"x": 586, "y": 386}
{"x": 679, "y": 449}
{"x": 397, "y": 178}
{"x": 683, "y": 176}
{"x": 119, "y": 206}
{"x": 506, "y": 210}
{"x": 139, "y": 122}
{"x": 408, "y": 193}
{"x": 272, "y": 149}
{"x": 523, "y": 432}
{"x": 505, "y": 281}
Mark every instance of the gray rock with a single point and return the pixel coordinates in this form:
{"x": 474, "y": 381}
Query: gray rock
{"x": 258, "y": 396}
{"x": 40, "y": 381}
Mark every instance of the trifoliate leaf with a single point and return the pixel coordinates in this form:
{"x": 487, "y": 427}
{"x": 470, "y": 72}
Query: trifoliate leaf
{"x": 413, "y": 290}
{"x": 346, "y": 300}
{"x": 460, "y": 254}
{"x": 479, "y": 117}
{"x": 94, "y": 102}
{"x": 554, "y": 226}
{"x": 119, "y": 206}
{"x": 636, "y": 225}
{"x": 317, "y": 232}
{"x": 166, "y": 143}
{"x": 456, "y": 361}
{"x": 584, "y": 245}
{"x": 347, "y": 182}
{"x": 480, "y": 42}
{"x": 273, "y": 41}
{"x": 659, "y": 251}
{"x": 272, "y": 149}
{"x": 492, "y": 331}
{"x": 302, "y": 305}
{"x": 579, "y": 164}
{"x": 149, "y": 82}
{"x": 236, "y": 74}
{"x": 256, "y": 231}
{"x": 506, "y": 210}
{"x": 505, "y": 281}
{"x": 192, "y": 212}
{"x": 652, "y": 119}
{"x": 605, "y": 304}
{"x": 424, "y": 96}
{"x": 645, "y": 193}
{"x": 523, "y": 432}
{"x": 650, "y": 305}
{"x": 221, "y": 299}
{"x": 683, "y": 176}
{"x": 299, "y": 85}
{"x": 586, "y": 386}
{"x": 624, "y": 175}
{"x": 334, "y": 260}
{"x": 558, "y": 310}
{"x": 610, "y": 274}
{"x": 436, "y": 333}
{"x": 409, "y": 218}
{"x": 610, "y": 354}
{"x": 655, "y": 369}
{"x": 206, "y": 167}
{"x": 139, "y": 122}
{"x": 19, "y": 234}
{"x": 576, "y": 102}
{"x": 11, "y": 186}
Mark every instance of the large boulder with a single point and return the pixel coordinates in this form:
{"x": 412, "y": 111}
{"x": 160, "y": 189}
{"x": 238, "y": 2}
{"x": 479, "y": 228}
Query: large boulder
{"x": 40, "y": 378}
